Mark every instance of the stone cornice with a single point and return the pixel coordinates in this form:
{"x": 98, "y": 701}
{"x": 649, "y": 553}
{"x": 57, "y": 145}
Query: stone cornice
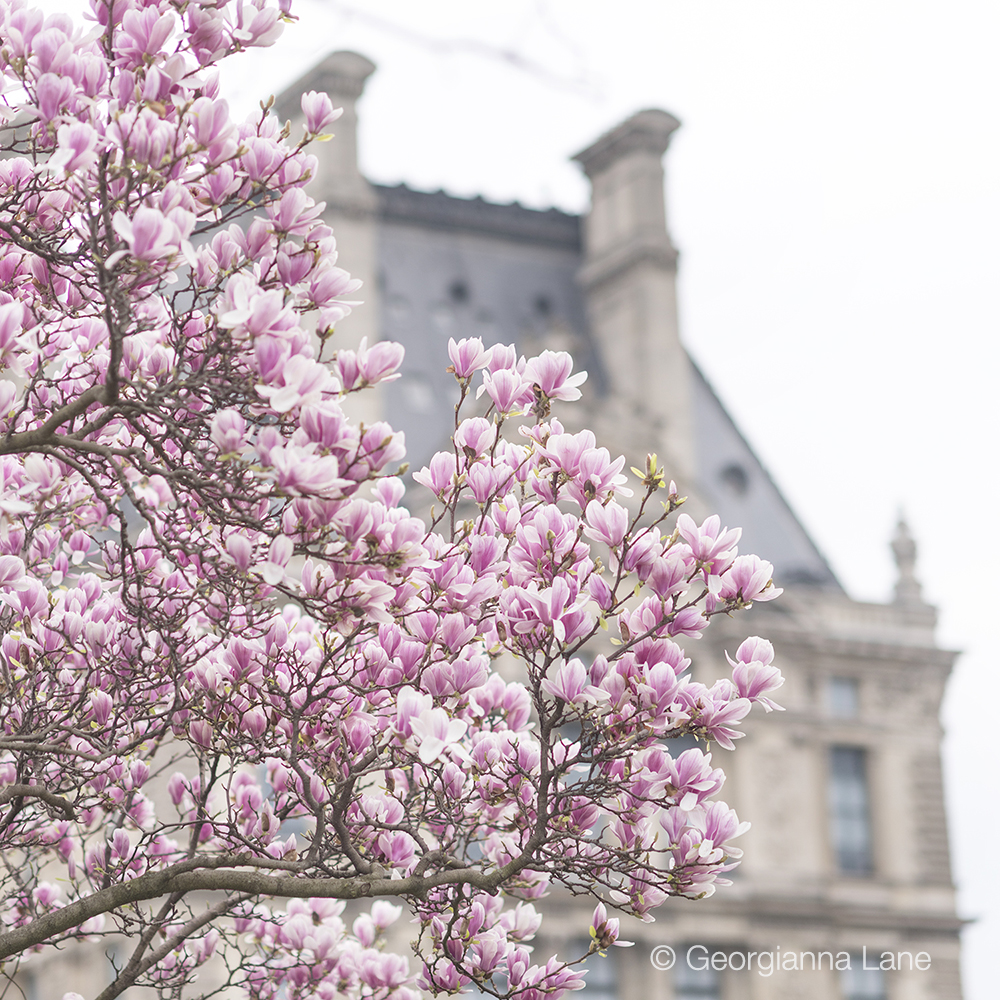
{"x": 864, "y": 649}
{"x": 656, "y": 250}
{"x": 360, "y": 203}
{"x": 818, "y": 912}
{"x": 646, "y": 131}
{"x": 838, "y": 627}
{"x": 340, "y": 74}
{"x": 442, "y": 211}
{"x": 781, "y": 909}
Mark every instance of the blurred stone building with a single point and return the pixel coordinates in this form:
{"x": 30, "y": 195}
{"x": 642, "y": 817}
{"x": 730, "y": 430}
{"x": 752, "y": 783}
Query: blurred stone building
{"x": 848, "y": 854}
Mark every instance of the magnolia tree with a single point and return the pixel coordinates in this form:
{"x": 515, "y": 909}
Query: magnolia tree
{"x": 241, "y": 684}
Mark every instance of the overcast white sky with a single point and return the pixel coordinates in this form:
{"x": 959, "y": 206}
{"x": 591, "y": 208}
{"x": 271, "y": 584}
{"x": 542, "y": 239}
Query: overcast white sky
{"x": 834, "y": 193}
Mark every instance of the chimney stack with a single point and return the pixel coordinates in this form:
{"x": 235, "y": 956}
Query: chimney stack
{"x": 339, "y": 183}
{"x": 629, "y": 282}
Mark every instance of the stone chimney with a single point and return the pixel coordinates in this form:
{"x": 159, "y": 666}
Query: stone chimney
{"x": 342, "y": 75}
{"x": 351, "y": 203}
{"x": 629, "y": 282}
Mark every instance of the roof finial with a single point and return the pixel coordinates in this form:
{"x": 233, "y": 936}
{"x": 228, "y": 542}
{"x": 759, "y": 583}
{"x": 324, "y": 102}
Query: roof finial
{"x": 904, "y": 548}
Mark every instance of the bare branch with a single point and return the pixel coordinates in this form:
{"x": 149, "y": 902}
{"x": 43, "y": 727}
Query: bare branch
{"x": 37, "y": 792}
{"x": 201, "y": 875}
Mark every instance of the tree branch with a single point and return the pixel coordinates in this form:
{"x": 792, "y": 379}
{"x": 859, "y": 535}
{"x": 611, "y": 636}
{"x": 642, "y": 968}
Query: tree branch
{"x": 26, "y": 440}
{"x": 203, "y": 874}
{"x": 137, "y": 965}
{"x": 38, "y": 792}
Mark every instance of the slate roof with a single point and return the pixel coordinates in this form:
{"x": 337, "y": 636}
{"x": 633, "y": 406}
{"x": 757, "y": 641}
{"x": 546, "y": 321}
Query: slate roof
{"x": 444, "y": 212}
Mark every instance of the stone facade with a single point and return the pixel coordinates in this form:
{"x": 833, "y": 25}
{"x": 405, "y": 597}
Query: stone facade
{"x": 848, "y": 854}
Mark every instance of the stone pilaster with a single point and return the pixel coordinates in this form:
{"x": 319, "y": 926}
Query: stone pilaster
{"x": 629, "y": 281}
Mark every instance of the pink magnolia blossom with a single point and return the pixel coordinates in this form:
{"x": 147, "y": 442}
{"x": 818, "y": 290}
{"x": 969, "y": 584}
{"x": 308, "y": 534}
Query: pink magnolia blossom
{"x": 504, "y": 356}
{"x": 295, "y": 212}
{"x": 54, "y": 93}
{"x": 229, "y": 431}
{"x": 78, "y": 148}
{"x": 714, "y": 712}
{"x": 607, "y": 524}
{"x": 754, "y": 675}
{"x": 260, "y": 313}
{"x": 604, "y": 930}
{"x": 439, "y": 476}
{"x": 550, "y": 371}
{"x": 475, "y": 435}
{"x": 257, "y": 24}
{"x": 299, "y": 470}
{"x": 273, "y": 568}
{"x": 202, "y": 733}
{"x": 303, "y": 382}
{"x": 508, "y": 390}
{"x": 319, "y": 112}
{"x": 369, "y": 365}
{"x": 434, "y": 733}
{"x": 143, "y": 33}
{"x": 570, "y": 683}
{"x": 694, "y": 778}
{"x": 100, "y": 706}
{"x": 12, "y": 321}
{"x": 467, "y": 355}
{"x": 149, "y": 234}
{"x": 8, "y": 394}
{"x": 710, "y": 544}
{"x": 211, "y": 128}
{"x": 482, "y": 481}
{"x": 749, "y": 579}
{"x": 11, "y": 571}
{"x": 331, "y": 284}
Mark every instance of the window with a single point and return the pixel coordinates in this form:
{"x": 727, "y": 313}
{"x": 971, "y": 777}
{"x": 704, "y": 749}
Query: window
{"x": 859, "y": 983}
{"x": 736, "y": 479}
{"x": 850, "y": 827}
{"x": 842, "y": 697}
{"x": 697, "y": 983}
{"x": 679, "y": 744}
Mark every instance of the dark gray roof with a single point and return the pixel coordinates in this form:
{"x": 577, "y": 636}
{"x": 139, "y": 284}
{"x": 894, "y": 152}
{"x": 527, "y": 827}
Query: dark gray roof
{"x": 444, "y": 212}
{"x": 463, "y": 267}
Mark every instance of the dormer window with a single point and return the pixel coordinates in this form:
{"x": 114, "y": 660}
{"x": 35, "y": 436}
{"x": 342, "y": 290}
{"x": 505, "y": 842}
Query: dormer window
{"x": 735, "y": 478}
